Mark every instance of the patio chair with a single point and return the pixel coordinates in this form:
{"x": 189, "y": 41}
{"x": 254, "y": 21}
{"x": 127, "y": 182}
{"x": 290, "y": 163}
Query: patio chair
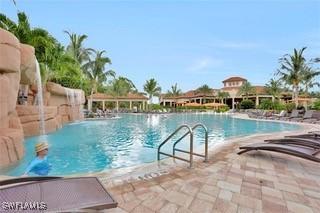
{"x": 294, "y": 114}
{"x": 282, "y": 114}
{"x": 306, "y": 116}
{"x": 308, "y": 142}
{"x": 294, "y": 150}
{"x": 311, "y": 135}
{"x": 58, "y": 194}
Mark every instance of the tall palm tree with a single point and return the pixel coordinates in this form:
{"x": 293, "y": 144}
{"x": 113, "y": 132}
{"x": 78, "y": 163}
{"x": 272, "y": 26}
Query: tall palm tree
{"x": 204, "y": 89}
{"x": 175, "y": 91}
{"x": 95, "y": 70}
{"x": 76, "y": 49}
{"x": 274, "y": 88}
{"x": 122, "y": 86}
{"x": 222, "y": 96}
{"x": 291, "y": 71}
{"x": 246, "y": 89}
{"x": 152, "y": 88}
{"x": 309, "y": 78}
{"x": 40, "y": 39}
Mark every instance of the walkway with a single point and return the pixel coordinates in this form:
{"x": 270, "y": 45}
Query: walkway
{"x": 253, "y": 182}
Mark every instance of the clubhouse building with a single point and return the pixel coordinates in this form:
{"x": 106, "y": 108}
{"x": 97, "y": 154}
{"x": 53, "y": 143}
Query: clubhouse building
{"x": 230, "y": 85}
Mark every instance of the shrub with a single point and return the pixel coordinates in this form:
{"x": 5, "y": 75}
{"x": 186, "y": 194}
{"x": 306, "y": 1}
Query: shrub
{"x": 223, "y": 109}
{"x": 278, "y": 106}
{"x": 247, "y": 104}
{"x": 290, "y": 106}
{"x": 316, "y": 105}
{"x": 266, "y": 104}
{"x": 155, "y": 106}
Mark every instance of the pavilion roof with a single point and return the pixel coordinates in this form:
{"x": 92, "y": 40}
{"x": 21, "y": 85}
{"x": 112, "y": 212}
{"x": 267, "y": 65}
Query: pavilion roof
{"x": 130, "y": 96}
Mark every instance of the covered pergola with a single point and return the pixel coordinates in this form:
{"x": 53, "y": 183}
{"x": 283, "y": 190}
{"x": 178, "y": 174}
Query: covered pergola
{"x": 130, "y": 98}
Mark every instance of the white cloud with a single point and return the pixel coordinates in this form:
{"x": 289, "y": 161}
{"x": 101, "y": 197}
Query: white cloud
{"x": 225, "y": 44}
{"x": 205, "y": 63}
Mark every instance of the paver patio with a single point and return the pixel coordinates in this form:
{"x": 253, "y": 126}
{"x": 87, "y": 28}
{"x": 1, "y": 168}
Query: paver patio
{"x": 252, "y": 182}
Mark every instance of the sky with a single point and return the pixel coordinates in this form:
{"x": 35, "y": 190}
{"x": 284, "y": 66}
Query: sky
{"x": 190, "y": 43}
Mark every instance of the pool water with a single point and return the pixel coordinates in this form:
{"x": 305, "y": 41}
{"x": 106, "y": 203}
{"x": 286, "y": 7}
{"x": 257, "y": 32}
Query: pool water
{"x": 93, "y": 146}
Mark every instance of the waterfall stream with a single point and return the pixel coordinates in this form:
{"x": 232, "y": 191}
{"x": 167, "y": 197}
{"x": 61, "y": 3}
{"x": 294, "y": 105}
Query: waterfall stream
{"x": 40, "y": 100}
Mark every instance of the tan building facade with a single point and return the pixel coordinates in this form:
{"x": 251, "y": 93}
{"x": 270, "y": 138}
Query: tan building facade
{"x": 230, "y": 85}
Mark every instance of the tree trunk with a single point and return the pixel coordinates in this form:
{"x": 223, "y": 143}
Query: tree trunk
{"x": 91, "y": 98}
{"x": 296, "y": 94}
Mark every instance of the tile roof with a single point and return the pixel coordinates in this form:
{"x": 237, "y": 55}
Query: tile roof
{"x": 191, "y": 94}
{"x": 134, "y": 96}
{"x": 235, "y": 78}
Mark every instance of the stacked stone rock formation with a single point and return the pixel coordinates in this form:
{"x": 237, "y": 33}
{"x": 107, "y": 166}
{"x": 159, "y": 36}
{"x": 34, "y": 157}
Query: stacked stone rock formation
{"x": 17, "y": 68}
{"x": 58, "y": 110}
{"x": 11, "y": 133}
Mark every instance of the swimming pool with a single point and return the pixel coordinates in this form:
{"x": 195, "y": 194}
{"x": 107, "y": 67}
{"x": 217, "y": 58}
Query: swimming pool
{"x": 93, "y": 146}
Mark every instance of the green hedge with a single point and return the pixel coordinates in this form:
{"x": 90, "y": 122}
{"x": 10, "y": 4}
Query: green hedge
{"x": 316, "y": 105}
{"x": 290, "y": 106}
{"x": 247, "y": 104}
{"x": 223, "y": 109}
{"x": 267, "y": 104}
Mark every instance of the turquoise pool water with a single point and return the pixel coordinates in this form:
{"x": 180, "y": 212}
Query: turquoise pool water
{"x": 92, "y": 146}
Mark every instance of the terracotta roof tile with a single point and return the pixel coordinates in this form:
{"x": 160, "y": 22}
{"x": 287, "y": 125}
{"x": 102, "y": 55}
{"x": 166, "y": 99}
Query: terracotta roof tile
{"x": 235, "y": 78}
{"x": 107, "y": 96}
{"x": 191, "y": 94}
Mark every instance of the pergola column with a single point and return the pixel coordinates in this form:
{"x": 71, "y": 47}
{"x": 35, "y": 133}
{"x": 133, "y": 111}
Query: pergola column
{"x": 103, "y": 105}
{"x": 130, "y": 105}
{"x": 117, "y": 105}
{"x": 143, "y": 105}
{"x": 257, "y": 100}
{"x": 232, "y": 102}
{"x": 90, "y": 104}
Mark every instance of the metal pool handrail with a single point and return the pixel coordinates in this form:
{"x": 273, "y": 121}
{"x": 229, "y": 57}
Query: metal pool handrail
{"x": 205, "y": 156}
{"x": 191, "y": 153}
{"x": 170, "y": 136}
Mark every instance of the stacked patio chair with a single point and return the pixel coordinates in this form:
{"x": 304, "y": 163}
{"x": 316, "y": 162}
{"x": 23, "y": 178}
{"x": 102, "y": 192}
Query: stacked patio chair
{"x": 306, "y": 116}
{"x": 294, "y": 114}
{"x": 275, "y": 116}
{"x": 306, "y": 146}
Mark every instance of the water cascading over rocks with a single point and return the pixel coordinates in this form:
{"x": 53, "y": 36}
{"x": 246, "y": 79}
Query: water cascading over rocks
{"x": 40, "y": 100}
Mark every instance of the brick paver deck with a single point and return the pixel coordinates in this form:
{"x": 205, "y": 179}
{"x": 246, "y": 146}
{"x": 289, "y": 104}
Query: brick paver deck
{"x": 252, "y": 182}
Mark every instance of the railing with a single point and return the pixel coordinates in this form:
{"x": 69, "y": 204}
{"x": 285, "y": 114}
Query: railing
{"x": 205, "y": 156}
{"x": 190, "y": 152}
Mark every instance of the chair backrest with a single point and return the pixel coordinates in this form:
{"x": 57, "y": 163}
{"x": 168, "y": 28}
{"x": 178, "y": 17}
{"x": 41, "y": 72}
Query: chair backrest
{"x": 294, "y": 113}
{"x": 316, "y": 114}
{"x": 308, "y": 114}
{"x": 283, "y": 113}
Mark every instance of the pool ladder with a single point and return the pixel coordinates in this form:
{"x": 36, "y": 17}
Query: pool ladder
{"x": 190, "y": 152}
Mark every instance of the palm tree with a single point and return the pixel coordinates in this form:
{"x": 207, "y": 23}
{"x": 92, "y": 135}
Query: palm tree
{"x": 95, "y": 70}
{"x": 76, "y": 49}
{"x": 175, "y": 91}
{"x": 274, "y": 88}
{"x": 222, "y": 96}
{"x": 246, "y": 89}
{"x": 122, "y": 86}
{"x": 291, "y": 71}
{"x": 45, "y": 45}
{"x": 204, "y": 89}
{"x": 309, "y": 78}
{"x": 152, "y": 88}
